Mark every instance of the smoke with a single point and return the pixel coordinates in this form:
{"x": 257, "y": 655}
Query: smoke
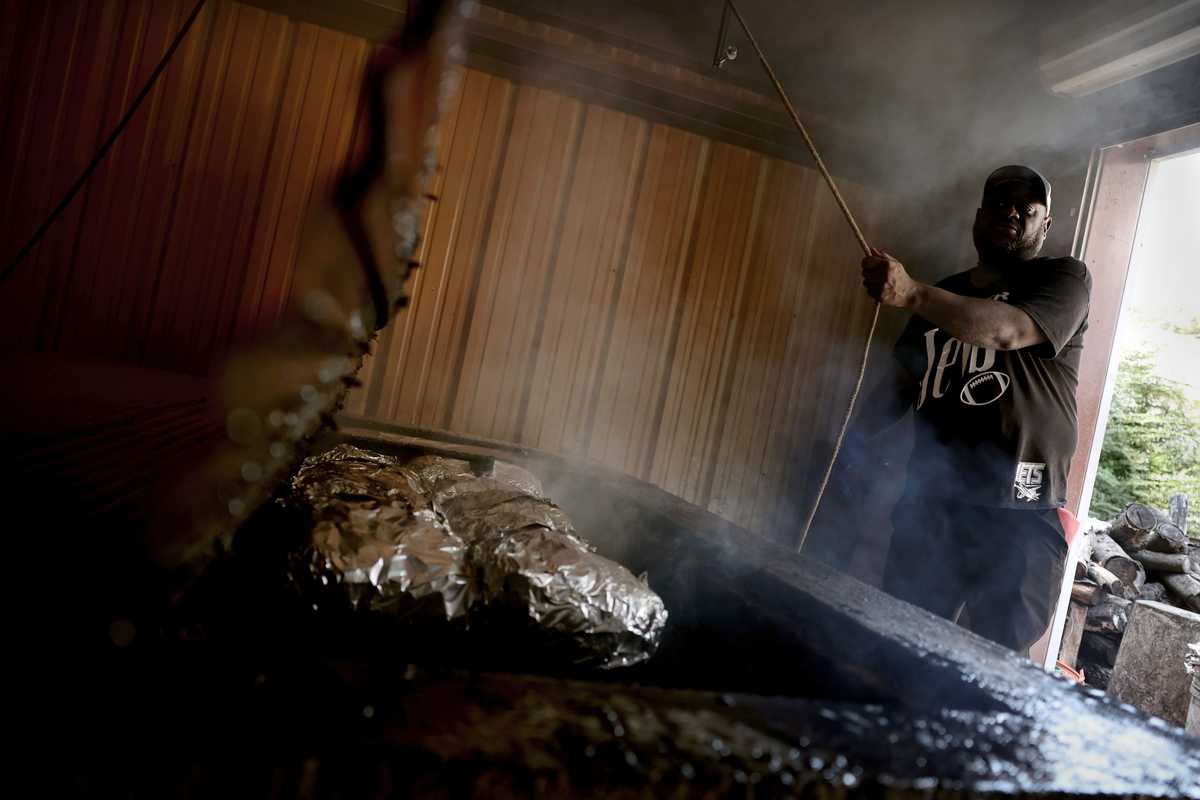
{"x": 917, "y": 101}
{"x": 932, "y": 96}
{"x": 922, "y": 101}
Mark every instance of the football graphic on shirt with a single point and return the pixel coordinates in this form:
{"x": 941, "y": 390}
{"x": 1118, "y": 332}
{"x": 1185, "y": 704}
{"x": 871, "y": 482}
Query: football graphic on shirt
{"x": 984, "y": 388}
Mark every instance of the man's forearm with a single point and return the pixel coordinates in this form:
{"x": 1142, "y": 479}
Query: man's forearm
{"x": 983, "y": 323}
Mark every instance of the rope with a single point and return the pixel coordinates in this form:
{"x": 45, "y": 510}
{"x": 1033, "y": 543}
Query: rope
{"x": 862, "y": 242}
{"x": 104, "y": 148}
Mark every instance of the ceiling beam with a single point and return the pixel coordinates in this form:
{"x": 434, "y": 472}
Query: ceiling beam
{"x": 533, "y": 52}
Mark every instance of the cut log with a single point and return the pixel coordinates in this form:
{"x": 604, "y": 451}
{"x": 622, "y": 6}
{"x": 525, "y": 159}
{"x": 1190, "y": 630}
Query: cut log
{"x": 1085, "y": 547}
{"x": 1081, "y": 570}
{"x": 1113, "y": 558}
{"x": 1178, "y": 510}
{"x": 1105, "y": 579}
{"x": 1109, "y": 616}
{"x": 1133, "y": 527}
{"x": 1068, "y": 652}
{"x": 1160, "y": 562}
{"x": 1168, "y": 538}
{"x": 1155, "y": 592}
{"x": 1150, "y": 672}
{"x": 1087, "y": 593}
{"x": 1184, "y": 590}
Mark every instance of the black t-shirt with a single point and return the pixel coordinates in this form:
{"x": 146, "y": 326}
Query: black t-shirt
{"x": 998, "y": 428}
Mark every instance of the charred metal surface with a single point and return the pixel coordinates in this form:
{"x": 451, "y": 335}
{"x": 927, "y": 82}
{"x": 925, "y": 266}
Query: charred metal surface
{"x": 775, "y": 677}
{"x": 516, "y": 734}
{"x": 750, "y": 618}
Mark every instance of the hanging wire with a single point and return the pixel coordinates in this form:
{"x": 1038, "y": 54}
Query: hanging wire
{"x": 104, "y": 148}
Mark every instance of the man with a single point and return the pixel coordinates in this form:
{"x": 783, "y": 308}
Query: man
{"x": 989, "y": 363}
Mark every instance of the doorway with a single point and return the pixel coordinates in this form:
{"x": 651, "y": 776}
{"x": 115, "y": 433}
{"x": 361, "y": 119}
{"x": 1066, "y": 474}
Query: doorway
{"x": 1139, "y": 243}
{"x": 1134, "y": 234}
{"x": 1149, "y": 427}
{"x": 1145, "y": 444}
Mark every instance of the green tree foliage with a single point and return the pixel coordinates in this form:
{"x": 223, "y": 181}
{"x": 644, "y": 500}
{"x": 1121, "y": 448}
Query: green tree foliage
{"x": 1152, "y": 444}
{"x": 1187, "y": 329}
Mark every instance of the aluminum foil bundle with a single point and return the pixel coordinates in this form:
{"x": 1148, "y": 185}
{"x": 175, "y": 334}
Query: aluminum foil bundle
{"x": 375, "y": 533}
{"x": 483, "y": 542}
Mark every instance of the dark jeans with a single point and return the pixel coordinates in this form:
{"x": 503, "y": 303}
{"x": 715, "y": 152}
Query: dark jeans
{"x": 1004, "y": 566}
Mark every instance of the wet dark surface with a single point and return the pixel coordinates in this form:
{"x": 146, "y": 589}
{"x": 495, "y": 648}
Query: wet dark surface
{"x": 777, "y": 677}
{"x": 198, "y": 720}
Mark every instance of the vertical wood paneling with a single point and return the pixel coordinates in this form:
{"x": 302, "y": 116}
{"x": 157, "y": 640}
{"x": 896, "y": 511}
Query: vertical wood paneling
{"x": 591, "y": 257}
{"x": 637, "y": 366}
{"x": 184, "y": 238}
{"x": 758, "y": 482}
{"x": 591, "y": 283}
{"x": 597, "y": 285}
{"x": 717, "y": 275}
{"x": 36, "y": 138}
{"x": 414, "y": 376}
{"x": 89, "y": 284}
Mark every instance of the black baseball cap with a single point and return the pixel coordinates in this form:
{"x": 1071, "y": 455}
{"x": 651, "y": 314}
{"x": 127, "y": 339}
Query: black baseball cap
{"x": 1016, "y": 172}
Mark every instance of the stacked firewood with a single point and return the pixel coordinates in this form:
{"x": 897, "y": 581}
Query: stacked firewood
{"x": 1143, "y": 554}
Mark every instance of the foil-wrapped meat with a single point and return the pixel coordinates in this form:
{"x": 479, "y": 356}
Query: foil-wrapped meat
{"x": 375, "y": 533}
{"x": 393, "y": 534}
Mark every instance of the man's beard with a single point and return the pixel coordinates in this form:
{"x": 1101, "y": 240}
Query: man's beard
{"x": 990, "y": 250}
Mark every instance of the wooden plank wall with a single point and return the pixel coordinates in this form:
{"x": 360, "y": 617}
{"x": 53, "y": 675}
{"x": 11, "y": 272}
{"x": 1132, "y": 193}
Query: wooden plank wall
{"x": 182, "y": 242}
{"x": 597, "y": 285}
{"x": 593, "y": 284}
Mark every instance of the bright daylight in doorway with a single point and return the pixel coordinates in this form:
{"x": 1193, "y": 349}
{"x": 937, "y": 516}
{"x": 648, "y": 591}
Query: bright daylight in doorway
{"x": 1152, "y": 442}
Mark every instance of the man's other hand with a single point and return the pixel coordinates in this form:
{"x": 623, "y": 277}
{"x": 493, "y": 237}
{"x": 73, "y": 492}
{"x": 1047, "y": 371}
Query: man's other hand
{"x": 887, "y": 281}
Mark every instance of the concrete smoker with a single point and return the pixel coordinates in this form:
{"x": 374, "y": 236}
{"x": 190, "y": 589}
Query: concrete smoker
{"x": 775, "y": 677}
